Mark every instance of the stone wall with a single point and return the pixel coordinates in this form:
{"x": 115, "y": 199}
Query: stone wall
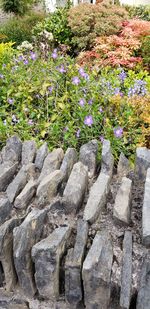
{"x": 74, "y": 232}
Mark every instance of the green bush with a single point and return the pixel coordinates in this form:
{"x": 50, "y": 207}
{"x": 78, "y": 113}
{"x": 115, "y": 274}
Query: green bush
{"x": 141, "y": 11}
{"x": 18, "y": 29}
{"x": 145, "y": 51}
{"x": 19, "y": 7}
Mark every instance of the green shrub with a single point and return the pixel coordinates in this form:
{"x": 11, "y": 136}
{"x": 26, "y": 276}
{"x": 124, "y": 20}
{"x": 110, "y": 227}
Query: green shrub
{"x": 145, "y": 51}
{"x": 87, "y": 21}
{"x": 141, "y": 11}
{"x": 18, "y": 29}
{"x": 19, "y": 7}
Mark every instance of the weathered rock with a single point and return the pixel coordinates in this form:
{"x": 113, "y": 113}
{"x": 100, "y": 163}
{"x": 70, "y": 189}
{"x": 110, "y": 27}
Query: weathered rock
{"x": 70, "y": 158}
{"x": 143, "y": 299}
{"x": 123, "y": 167}
{"x": 26, "y": 195}
{"x": 5, "y": 209}
{"x": 107, "y": 162}
{"x": 122, "y": 207}
{"x": 1, "y": 160}
{"x": 75, "y": 189}
{"x": 6, "y": 251}
{"x": 73, "y": 265}
{"x": 146, "y": 212}
{"x": 7, "y": 302}
{"x": 28, "y": 152}
{"x": 6, "y": 175}
{"x": 88, "y": 154}
{"x": 41, "y": 155}
{"x": 52, "y": 162}
{"x": 96, "y": 272}
{"x": 46, "y": 255}
{"x": 97, "y": 198}
{"x": 48, "y": 187}
{"x": 25, "y": 237}
{"x": 126, "y": 276}
{"x": 142, "y": 162}
{"x": 12, "y": 151}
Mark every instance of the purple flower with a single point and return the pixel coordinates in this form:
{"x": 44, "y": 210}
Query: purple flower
{"x": 100, "y": 110}
{"x": 66, "y": 129}
{"x": 50, "y": 89}
{"x": 139, "y": 88}
{"x": 81, "y": 102}
{"x": 88, "y": 120}
{"x": 37, "y": 96}
{"x": 61, "y": 69}
{"x": 4, "y": 122}
{"x": 101, "y": 138}
{"x": 30, "y": 122}
{"x": 10, "y": 101}
{"x": 1, "y": 76}
{"x": 20, "y": 58}
{"x": 90, "y": 102}
{"x": 78, "y": 133}
{"x": 26, "y": 62}
{"x": 116, "y": 91}
{"x": 118, "y": 132}
{"x": 33, "y": 56}
{"x": 75, "y": 80}
{"x": 83, "y": 74}
{"x": 54, "y": 54}
{"x": 122, "y": 76}
{"x": 4, "y": 65}
{"x": 14, "y": 119}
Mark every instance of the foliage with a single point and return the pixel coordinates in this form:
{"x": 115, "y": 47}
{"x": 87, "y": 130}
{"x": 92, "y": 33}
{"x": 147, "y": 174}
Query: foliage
{"x": 69, "y": 105}
{"x": 19, "y": 7}
{"x": 141, "y": 11}
{"x": 6, "y": 52}
{"x": 87, "y": 21}
{"x": 18, "y": 29}
{"x": 145, "y": 50}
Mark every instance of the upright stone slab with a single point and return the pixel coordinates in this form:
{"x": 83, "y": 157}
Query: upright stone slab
{"x": 26, "y": 195}
{"x": 88, "y": 155}
{"x": 6, "y": 174}
{"x": 146, "y": 212}
{"x": 41, "y": 155}
{"x": 70, "y": 158}
{"x": 51, "y": 163}
{"x": 96, "y": 272}
{"x": 122, "y": 207}
{"x": 6, "y": 251}
{"x": 142, "y": 162}
{"x": 75, "y": 189}
{"x": 123, "y": 167}
{"x": 143, "y": 299}
{"x": 28, "y": 152}
{"x": 73, "y": 267}
{"x": 5, "y": 209}
{"x": 12, "y": 151}
{"x": 47, "y": 255}
{"x": 126, "y": 275}
{"x": 25, "y": 237}
{"x": 48, "y": 187}
{"x": 107, "y": 162}
{"x": 97, "y": 198}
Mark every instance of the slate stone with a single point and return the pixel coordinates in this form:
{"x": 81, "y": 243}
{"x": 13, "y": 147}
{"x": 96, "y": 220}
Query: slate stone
{"x": 12, "y": 151}
{"x": 143, "y": 299}
{"x": 123, "y": 167}
{"x": 5, "y": 209}
{"x": 73, "y": 267}
{"x": 142, "y": 162}
{"x": 6, "y": 175}
{"x": 28, "y": 152}
{"x": 122, "y": 207}
{"x": 47, "y": 255}
{"x": 88, "y": 155}
{"x": 48, "y": 187}
{"x": 70, "y": 158}
{"x": 75, "y": 189}
{"x": 107, "y": 162}
{"x": 97, "y": 198}
{"x": 6, "y": 251}
{"x": 51, "y": 163}
{"x": 41, "y": 155}
{"x": 146, "y": 212}
{"x": 126, "y": 274}
{"x": 26, "y": 195}
{"x": 96, "y": 272}
{"x": 25, "y": 237}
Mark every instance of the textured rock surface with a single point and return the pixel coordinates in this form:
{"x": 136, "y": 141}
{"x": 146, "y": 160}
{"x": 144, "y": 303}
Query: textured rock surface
{"x": 123, "y": 167}
{"x": 52, "y": 162}
{"x": 5, "y": 209}
{"x": 126, "y": 276}
{"x": 107, "y": 163}
{"x": 28, "y": 152}
{"x": 97, "y": 272}
{"x": 25, "y": 236}
{"x": 73, "y": 267}
{"x": 26, "y": 195}
{"x": 97, "y": 198}
{"x": 48, "y": 187}
{"x": 6, "y": 175}
{"x": 70, "y": 158}
{"x": 143, "y": 299}
{"x": 142, "y": 162}
{"x": 146, "y": 212}
{"x": 88, "y": 154}
{"x": 12, "y": 151}
{"x": 75, "y": 189}
{"x": 41, "y": 155}
{"x": 46, "y": 255}
{"x": 122, "y": 207}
